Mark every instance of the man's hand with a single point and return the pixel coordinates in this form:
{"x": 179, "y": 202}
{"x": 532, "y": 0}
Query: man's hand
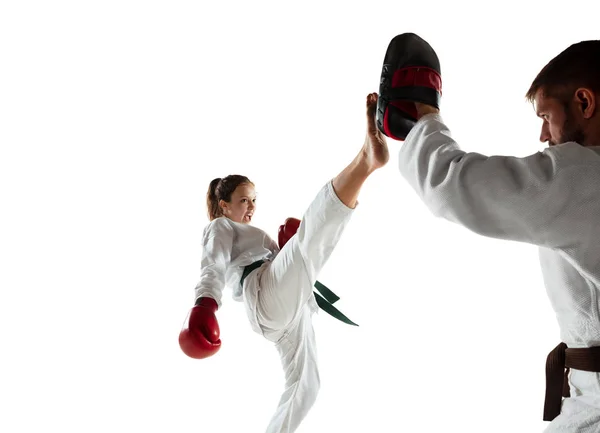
{"x": 423, "y": 109}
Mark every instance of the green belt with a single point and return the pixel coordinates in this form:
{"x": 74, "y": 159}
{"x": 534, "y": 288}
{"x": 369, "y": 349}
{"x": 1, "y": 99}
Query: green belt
{"x": 325, "y": 300}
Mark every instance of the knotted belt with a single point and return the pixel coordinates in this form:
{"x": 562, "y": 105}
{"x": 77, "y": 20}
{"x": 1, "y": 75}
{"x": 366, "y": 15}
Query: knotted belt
{"x": 558, "y": 365}
{"x": 325, "y": 299}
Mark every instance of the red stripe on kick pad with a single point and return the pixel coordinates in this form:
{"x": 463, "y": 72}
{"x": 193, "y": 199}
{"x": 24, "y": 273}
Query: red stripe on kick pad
{"x": 417, "y": 76}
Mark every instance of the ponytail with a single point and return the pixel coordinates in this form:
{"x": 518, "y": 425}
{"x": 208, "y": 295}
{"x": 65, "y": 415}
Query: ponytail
{"x": 212, "y": 201}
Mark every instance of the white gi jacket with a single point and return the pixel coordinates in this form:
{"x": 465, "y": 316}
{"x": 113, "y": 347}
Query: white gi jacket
{"x": 227, "y": 247}
{"x": 550, "y": 199}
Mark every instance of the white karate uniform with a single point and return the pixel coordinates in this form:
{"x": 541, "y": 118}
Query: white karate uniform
{"x": 278, "y": 296}
{"x": 550, "y": 199}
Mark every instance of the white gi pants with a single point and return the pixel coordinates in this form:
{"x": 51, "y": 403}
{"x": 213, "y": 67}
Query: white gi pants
{"x": 279, "y": 301}
{"x": 581, "y": 412}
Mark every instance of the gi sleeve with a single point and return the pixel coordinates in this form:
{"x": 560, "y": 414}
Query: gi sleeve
{"x": 273, "y": 246}
{"x": 504, "y": 197}
{"x": 217, "y": 245}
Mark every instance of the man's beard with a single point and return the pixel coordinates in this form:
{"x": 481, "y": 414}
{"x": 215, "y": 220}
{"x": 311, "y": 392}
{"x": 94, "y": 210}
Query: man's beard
{"x": 571, "y": 131}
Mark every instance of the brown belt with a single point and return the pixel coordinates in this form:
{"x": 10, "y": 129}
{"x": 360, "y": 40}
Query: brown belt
{"x": 558, "y": 364}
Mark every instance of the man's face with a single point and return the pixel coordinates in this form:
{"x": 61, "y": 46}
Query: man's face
{"x": 242, "y": 205}
{"x": 560, "y": 123}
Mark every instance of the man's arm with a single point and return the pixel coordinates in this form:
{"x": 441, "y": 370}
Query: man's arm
{"x": 520, "y": 199}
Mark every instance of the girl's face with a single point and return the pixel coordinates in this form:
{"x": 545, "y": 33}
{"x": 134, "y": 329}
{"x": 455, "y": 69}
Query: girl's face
{"x": 242, "y": 205}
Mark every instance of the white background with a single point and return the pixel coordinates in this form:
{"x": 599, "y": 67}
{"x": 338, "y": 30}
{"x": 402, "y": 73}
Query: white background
{"x": 115, "y": 116}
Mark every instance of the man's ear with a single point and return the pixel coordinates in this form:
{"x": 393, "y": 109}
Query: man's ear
{"x": 586, "y": 100}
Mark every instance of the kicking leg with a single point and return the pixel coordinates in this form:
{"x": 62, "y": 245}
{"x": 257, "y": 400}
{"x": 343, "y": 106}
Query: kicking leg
{"x": 287, "y": 283}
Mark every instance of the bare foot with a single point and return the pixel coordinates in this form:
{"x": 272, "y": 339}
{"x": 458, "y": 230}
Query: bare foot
{"x": 375, "y": 149}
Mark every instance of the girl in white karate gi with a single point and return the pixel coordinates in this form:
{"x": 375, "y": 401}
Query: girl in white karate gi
{"x": 278, "y": 295}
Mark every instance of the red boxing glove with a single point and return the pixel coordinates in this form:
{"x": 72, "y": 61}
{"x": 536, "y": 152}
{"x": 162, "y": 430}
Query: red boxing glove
{"x": 200, "y": 336}
{"x": 287, "y": 230}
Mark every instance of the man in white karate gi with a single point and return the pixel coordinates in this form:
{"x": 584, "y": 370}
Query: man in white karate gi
{"x": 550, "y": 199}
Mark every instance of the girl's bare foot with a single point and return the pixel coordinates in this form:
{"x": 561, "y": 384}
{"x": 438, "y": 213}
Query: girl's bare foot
{"x": 375, "y": 149}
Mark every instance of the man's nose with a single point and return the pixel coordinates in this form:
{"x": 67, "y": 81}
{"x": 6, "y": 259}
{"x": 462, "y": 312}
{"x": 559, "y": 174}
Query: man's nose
{"x": 545, "y": 134}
